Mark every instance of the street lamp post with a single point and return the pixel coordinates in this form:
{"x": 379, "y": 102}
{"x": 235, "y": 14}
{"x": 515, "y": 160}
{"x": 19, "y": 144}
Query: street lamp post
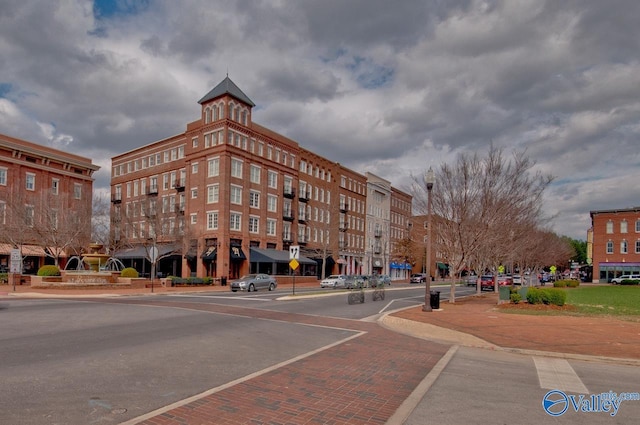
{"x": 429, "y": 180}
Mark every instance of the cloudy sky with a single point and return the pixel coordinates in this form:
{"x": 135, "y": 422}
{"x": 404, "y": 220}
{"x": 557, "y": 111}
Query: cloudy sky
{"x": 390, "y": 87}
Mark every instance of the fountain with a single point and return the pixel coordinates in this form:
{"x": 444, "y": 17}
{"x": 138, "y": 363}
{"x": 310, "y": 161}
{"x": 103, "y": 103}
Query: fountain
{"x": 94, "y": 258}
{"x": 90, "y": 270}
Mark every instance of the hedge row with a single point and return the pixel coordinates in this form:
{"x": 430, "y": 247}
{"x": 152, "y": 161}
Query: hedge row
{"x": 546, "y": 296}
{"x": 568, "y": 283}
{"x": 630, "y": 282}
{"x": 191, "y": 281}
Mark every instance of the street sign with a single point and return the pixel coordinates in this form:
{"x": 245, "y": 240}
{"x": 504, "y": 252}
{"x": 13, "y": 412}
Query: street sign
{"x": 294, "y": 252}
{"x": 153, "y": 254}
{"x": 294, "y": 264}
{"x": 15, "y": 265}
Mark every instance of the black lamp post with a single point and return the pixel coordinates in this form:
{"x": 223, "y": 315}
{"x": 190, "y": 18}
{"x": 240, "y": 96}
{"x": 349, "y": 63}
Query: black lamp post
{"x": 429, "y": 179}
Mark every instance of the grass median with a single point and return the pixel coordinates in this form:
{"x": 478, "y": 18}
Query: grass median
{"x": 605, "y": 300}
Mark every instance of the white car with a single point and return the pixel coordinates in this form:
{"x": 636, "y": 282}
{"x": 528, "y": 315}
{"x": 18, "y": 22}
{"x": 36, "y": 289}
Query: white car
{"x": 334, "y": 281}
{"x": 619, "y": 279}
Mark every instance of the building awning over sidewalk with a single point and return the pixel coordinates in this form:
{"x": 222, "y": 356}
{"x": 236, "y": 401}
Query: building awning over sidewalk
{"x": 27, "y": 250}
{"x": 141, "y": 251}
{"x": 262, "y": 255}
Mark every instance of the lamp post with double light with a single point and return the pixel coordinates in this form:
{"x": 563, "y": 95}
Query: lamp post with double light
{"x": 429, "y": 179}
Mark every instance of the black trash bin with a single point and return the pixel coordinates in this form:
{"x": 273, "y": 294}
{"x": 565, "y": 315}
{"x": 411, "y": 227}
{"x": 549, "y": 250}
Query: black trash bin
{"x": 434, "y": 299}
{"x": 223, "y": 281}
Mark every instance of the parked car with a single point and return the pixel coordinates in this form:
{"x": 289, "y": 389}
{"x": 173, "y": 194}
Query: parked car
{"x": 253, "y": 282}
{"x": 334, "y": 281}
{"x": 619, "y": 279}
{"x": 471, "y": 280}
{"x": 385, "y": 278}
{"x": 418, "y": 278}
{"x": 504, "y": 279}
{"x": 517, "y": 279}
{"x": 486, "y": 282}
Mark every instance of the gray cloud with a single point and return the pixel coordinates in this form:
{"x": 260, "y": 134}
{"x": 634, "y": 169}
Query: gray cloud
{"x": 387, "y": 87}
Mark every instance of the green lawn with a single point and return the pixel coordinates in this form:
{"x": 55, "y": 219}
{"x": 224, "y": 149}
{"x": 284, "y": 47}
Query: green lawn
{"x": 616, "y": 300}
{"x": 607, "y": 300}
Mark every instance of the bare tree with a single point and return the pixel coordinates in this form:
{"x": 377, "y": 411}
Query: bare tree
{"x": 100, "y": 222}
{"x": 64, "y": 224}
{"x": 18, "y": 219}
{"x": 484, "y": 205}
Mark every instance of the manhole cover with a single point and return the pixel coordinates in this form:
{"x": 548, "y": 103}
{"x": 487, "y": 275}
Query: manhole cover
{"x": 119, "y": 411}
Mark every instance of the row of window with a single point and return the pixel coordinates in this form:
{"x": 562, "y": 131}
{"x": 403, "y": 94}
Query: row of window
{"x": 149, "y": 161}
{"x": 624, "y": 247}
{"x": 352, "y": 185}
{"x": 30, "y": 184}
{"x": 216, "y": 111}
{"x": 623, "y": 226}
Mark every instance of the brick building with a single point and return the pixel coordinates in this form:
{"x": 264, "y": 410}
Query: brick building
{"x": 229, "y": 197}
{"x": 613, "y": 243}
{"x": 45, "y": 203}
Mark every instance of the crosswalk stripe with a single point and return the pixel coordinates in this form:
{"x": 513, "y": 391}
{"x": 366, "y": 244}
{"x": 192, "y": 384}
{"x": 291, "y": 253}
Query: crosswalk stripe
{"x": 557, "y": 374}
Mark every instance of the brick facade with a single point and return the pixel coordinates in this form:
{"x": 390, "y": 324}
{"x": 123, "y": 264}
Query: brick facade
{"x": 49, "y": 187}
{"x": 240, "y": 186}
{"x": 613, "y": 243}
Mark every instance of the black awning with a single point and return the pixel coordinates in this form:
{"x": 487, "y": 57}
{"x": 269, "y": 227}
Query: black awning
{"x": 237, "y": 254}
{"x": 261, "y": 255}
{"x": 210, "y": 254}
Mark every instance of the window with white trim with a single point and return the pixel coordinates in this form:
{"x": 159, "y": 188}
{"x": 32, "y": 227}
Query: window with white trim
{"x": 3, "y": 176}
{"x": 77, "y": 191}
{"x": 55, "y": 186}
{"x": 254, "y": 199}
{"x": 272, "y": 179}
{"x": 213, "y": 169}
{"x": 623, "y": 226}
{"x": 30, "y": 183}
{"x": 213, "y": 193}
{"x": 609, "y": 247}
{"x": 638, "y": 247}
{"x": 255, "y": 174}
{"x": 212, "y": 220}
{"x": 236, "y": 167}
{"x": 624, "y": 248}
{"x": 609, "y": 227}
{"x": 254, "y": 224}
{"x": 235, "y": 221}
{"x": 272, "y": 203}
{"x": 271, "y": 227}
{"x": 236, "y": 195}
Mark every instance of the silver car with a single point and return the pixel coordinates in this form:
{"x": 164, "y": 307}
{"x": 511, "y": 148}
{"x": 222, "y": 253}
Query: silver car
{"x": 253, "y": 282}
{"x": 334, "y": 281}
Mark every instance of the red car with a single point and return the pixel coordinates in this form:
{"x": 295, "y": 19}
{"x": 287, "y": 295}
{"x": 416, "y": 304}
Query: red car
{"x": 486, "y": 281}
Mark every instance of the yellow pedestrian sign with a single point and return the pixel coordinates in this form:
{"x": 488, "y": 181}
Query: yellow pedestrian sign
{"x": 294, "y": 264}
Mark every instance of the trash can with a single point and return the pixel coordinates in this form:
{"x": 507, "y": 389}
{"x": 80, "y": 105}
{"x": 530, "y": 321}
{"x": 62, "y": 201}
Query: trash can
{"x": 504, "y": 293}
{"x": 223, "y": 281}
{"x": 434, "y": 299}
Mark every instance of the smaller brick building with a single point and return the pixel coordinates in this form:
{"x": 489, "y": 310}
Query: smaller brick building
{"x": 613, "y": 243}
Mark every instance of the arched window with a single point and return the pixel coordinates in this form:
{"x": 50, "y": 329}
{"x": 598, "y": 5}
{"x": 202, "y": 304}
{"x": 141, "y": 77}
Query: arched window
{"x": 207, "y": 115}
{"x": 609, "y": 227}
{"x": 609, "y": 247}
{"x": 623, "y": 247}
{"x": 230, "y": 116}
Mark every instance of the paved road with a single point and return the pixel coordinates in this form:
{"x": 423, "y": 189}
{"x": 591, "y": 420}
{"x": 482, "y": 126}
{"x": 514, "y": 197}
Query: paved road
{"x": 112, "y": 360}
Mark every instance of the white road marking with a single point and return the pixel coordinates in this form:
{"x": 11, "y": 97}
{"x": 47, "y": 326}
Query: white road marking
{"x": 228, "y": 297}
{"x": 557, "y": 374}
